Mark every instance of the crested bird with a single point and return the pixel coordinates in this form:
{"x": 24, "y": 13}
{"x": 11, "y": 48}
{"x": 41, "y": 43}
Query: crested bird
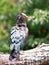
{"x": 18, "y": 36}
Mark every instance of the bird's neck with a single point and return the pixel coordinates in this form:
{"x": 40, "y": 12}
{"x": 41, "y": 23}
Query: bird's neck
{"x": 22, "y": 23}
{"x": 21, "y": 20}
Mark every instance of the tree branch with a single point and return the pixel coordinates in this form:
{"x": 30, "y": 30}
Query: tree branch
{"x": 36, "y": 56}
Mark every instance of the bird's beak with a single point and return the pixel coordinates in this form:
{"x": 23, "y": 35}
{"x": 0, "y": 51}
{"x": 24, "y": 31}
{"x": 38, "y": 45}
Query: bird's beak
{"x": 26, "y": 16}
{"x": 30, "y": 18}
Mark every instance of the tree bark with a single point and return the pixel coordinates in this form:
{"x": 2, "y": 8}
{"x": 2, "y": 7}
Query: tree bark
{"x": 36, "y": 56}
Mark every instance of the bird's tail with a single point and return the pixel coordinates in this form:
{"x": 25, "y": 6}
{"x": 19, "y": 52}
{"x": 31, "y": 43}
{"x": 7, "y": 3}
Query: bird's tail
{"x": 12, "y": 56}
{"x": 12, "y": 53}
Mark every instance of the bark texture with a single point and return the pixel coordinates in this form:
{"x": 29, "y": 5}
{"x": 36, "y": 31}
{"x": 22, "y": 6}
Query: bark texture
{"x": 36, "y": 56}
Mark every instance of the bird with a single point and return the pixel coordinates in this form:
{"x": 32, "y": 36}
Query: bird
{"x": 18, "y": 36}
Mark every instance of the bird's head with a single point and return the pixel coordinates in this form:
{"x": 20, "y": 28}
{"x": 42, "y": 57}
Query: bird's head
{"x": 22, "y": 16}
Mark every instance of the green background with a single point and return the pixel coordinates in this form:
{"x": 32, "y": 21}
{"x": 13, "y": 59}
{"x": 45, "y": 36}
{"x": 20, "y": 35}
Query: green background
{"x": 38, "y": 28}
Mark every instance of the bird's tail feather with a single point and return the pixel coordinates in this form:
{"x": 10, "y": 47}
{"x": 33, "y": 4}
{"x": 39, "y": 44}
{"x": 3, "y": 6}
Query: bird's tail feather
{"x": 12, "y": 55}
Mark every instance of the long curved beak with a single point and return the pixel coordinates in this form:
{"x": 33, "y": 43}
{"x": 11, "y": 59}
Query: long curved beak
{"x": 24, "y": 15}
{"x": 28, "y": 17}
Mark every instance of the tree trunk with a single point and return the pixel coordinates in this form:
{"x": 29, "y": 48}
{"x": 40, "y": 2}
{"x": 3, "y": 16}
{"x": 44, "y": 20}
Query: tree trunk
{"x": 36, "y": 56}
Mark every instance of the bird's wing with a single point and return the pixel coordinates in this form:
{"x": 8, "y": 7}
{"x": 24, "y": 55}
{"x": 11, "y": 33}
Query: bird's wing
{"x": 16, "y": 38}
{"x": 24, "y": 32}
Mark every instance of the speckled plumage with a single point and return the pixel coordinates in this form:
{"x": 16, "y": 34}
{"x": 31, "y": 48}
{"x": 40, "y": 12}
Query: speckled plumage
{"x": 18, "y": 36}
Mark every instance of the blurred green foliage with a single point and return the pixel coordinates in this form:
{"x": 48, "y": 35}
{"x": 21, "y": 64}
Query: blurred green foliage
{"x": 38, "y": 28}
